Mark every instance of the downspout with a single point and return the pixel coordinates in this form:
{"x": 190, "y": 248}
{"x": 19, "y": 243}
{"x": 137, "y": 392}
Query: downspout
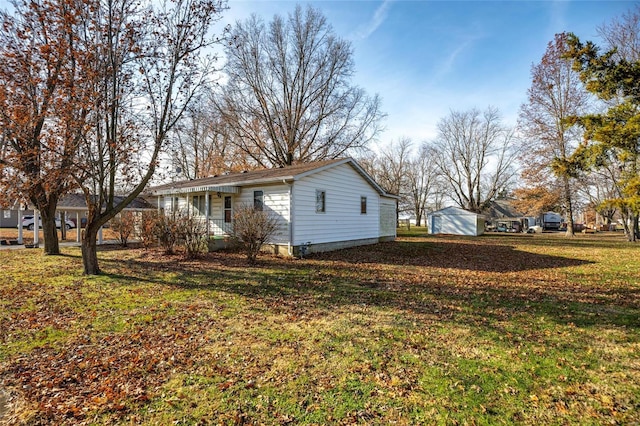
{"x": 291, "y": 205}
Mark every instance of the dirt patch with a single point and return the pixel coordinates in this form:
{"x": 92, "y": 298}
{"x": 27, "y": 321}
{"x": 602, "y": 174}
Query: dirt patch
{"x": 4, "y": 406}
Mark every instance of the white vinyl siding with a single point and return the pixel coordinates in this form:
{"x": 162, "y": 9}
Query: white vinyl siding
{"x": 344, "y": 188}
{"x": 275, "y": 201}
{"x": 174, "y": 204}
{"x": 456, "y": 221}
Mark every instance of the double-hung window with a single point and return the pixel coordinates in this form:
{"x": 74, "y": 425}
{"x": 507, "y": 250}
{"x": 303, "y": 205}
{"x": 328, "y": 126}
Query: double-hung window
{"x": 258, "y": 200}
{"x": 321, "y": 201}
{"x": 363, "y": 205}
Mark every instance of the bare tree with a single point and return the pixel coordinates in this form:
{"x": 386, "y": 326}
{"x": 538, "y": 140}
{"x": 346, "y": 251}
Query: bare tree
{"x": 412, "y": 176}
{"x": 392, "y": 166}
{"x": 289, "y": 98}
{"x": 474, "y": 154}
{"x": 422, "y": 181}
{"x": 201, "y": 144}
{"x": 389, "y": 168}
{"x": 600, "y": 186}
{"x": 623, "y": 34}
{"x": 555, "y": 95}
{"x": 147, "y": 72}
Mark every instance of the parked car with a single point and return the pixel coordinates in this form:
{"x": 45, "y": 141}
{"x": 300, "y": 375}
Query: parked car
{"x": 501, "y": 228}
{"x": 28, "y": 221}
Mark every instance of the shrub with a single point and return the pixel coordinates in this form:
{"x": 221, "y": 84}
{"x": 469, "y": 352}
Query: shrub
{"x": 146, "y": 229}
{"x": 192, "y": 233}
{"x": 166, "y": 231}
{"x": 124, "y": 225}
{"x": 252, "y": 229}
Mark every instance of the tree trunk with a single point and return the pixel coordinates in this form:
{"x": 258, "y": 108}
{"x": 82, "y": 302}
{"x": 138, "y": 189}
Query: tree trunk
{"x": 49, "y": 230}
{"x": 567, "y": 197}
{"x": 90, "y": 252}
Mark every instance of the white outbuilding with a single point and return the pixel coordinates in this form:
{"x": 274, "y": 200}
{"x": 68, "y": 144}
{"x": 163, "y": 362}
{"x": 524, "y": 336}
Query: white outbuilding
{"x": 455, "y": 221}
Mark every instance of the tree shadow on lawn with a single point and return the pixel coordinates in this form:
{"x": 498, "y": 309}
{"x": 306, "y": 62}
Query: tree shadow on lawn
{"x": 607, "y": 240}
{"x": 466, "y": 255}
{"x": 316, "y": 287}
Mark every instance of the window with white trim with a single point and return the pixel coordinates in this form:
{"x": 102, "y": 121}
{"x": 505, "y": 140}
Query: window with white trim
{"x": 258, "y": 200}
{"x": 321, "y": 201}
{"x": 227, "y": 210}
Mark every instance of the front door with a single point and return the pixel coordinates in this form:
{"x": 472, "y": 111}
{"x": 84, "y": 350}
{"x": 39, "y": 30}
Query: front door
{"x": 228, "y": 214}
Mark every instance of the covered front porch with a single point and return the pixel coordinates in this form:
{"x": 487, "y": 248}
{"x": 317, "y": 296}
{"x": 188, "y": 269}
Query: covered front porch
{"x": 213, "y": 204}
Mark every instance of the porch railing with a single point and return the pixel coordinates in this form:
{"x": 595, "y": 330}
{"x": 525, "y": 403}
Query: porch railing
{"x": 218, "y": 227}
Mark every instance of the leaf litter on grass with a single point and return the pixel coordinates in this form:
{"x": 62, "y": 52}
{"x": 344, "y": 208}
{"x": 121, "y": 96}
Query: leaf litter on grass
{"x": 393, "y": 332}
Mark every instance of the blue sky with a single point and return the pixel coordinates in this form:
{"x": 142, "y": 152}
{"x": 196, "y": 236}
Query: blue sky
{"x": 426, "y": 58}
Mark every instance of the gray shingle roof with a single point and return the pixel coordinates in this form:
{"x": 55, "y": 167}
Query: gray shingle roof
{"x": 77, "y": 202}
{"x": 230, "y": 182}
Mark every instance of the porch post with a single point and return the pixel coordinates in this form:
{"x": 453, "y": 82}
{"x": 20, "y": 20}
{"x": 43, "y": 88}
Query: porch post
{"x": 78, "y": 227}
{"x": 20, "y": 239}
{"x": 36, "y": 227}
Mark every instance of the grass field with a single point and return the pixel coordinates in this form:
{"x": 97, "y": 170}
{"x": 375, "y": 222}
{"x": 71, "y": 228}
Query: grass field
{"x": 500, "y": 329}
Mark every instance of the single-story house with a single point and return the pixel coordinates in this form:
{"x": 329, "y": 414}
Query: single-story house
{"x": 456, "y": 221}
{"x": 319, "y": 206}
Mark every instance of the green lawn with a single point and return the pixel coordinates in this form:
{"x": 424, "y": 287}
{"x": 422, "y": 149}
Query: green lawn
{"x": 500, "y": 329}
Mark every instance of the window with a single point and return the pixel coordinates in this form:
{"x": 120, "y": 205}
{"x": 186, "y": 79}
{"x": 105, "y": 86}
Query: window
{"x": 363, "y": 205}
{"x": 199, "y": 207}
{"x": 172, "y": 204}
{"x": 227, "y": 209}
{"x": 320, "y": 201}
{"x": 258, "y": 200}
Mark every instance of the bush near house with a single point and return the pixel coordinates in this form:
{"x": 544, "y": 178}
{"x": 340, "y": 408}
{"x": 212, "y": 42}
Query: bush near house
{"x": 252, "y": 229}
{"x": 500, "y": 329}
{"x": 124, "y": 225}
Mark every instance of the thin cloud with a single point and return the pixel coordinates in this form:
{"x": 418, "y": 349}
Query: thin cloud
{"x": 445, "y": 66}
{"x": 378, "y": 19}
{"x": 558, "y": 20}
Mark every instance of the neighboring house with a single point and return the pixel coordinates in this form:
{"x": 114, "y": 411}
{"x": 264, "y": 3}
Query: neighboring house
{"x": 75, "y": 208}
{"x": 319, "y": 206}
{"x": 502, "y": 216}
{"x": 456, "y": 221}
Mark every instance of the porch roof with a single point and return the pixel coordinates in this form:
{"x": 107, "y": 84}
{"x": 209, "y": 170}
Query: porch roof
{"x": 200, "y": 188}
